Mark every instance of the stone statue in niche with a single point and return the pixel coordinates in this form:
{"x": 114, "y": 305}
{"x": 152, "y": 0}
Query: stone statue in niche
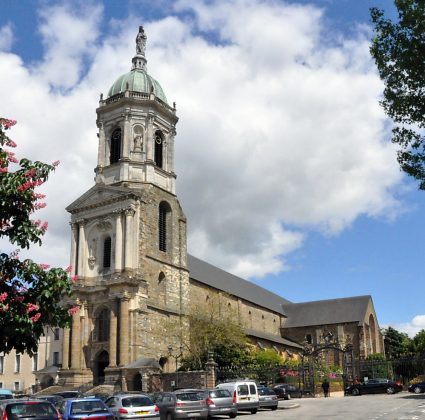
{"x": 138, "y": 143}
{"x": 92, "y": 254}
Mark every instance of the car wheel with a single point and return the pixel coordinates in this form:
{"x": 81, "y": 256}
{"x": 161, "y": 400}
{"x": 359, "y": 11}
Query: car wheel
{"x": 232, "y": 415}
{"x": 417, "y": 390}
{"x": 390, "y": 390}
{"x": 254, "y": 411}
{"x": 355, "y": 391}
{"x": 273, "y": 408}
{"x": 169, "y": 416}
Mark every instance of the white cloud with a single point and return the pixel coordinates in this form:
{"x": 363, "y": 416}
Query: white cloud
{"x": 280, "y": 132}
{"x": 412, "y": 327}
{"x": 6, "y": 37}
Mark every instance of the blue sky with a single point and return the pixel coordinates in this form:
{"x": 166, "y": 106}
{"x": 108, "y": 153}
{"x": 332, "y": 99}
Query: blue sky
{"x": 285, "y": 170}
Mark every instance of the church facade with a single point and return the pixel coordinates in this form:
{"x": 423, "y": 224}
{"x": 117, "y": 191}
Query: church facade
{"x": 129, "y": 255}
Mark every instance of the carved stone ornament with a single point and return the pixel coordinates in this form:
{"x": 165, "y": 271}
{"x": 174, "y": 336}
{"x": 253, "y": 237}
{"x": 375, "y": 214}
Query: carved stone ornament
{"x": 103, "y": 225}
{"x": 91, "y": 261}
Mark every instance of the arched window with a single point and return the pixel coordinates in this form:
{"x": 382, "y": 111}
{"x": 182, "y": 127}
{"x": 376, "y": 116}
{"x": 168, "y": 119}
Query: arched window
{"x": 308, "y": 339}
{"x": 159, "y": 145}
{"x": 163, "y": 222}
{"x": 107, "y": 245}
{"x": 162, "y": 288}
{"x": 102, "y": 325}
{"x": 115, "y": 146}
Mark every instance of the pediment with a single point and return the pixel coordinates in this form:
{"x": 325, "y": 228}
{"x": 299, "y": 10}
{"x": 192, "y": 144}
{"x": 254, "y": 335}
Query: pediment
{"x": 100, "y": 195}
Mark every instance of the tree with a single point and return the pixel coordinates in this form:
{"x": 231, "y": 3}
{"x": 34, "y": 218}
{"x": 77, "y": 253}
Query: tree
{"x": 213, "y": 329}
{"x": 399, "y": 50}
{"x": 419, "y": 343}
{"x": 397, "y": 344}
{"x": 31, "y": 294}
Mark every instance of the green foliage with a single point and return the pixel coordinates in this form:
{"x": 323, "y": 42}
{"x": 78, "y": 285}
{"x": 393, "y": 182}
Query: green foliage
{"x": 30, "y": 293}
{"x": 419, "y": 343}
{"x": 397, "y": 344}
{"x": 267, "y": 358}
{"x": 399, "y": 50}
{"x": 376, "y": 356}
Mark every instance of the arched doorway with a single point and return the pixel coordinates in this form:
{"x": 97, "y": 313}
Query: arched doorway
{"x": 137, "y": 382}
{"x": 101, "y": 362}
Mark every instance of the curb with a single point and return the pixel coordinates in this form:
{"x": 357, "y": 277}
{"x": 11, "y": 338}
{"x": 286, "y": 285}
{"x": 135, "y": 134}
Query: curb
{"x": 288, "y": 406}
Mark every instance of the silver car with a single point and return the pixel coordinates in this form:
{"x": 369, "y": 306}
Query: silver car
{"x": 132, "y": 407}
{"x": 182, "y": 404}
{"x": 221, "y": 402}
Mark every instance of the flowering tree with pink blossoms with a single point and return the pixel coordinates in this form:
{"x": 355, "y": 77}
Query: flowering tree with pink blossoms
{"x": 31, "y": 295}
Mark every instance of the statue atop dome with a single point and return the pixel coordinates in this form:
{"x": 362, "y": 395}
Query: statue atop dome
{"x": 141, "y": 42}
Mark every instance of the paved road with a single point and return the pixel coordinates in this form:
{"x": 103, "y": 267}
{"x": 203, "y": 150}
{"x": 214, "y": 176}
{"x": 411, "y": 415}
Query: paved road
{"x": 402, "y": 406}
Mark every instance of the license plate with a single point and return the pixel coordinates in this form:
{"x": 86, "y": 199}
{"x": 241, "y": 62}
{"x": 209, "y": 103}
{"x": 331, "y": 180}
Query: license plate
{"x": 142, "y": 412}
{"x": 243, "y": 398}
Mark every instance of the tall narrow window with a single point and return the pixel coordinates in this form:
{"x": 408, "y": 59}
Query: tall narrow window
{"x": 17, "y": 363}
{"x": 159, "y": 144}
{"x": 102, "y": 325}
{"x": 1, "y": 364}
{"x": 56, "y": 334}
{"x": 55, "y": 358}
{"x": 107, "y": 243}
{"x": 164, "y": 210}
{"x": 115, "y": 146}
{"x": 35, "y": 362}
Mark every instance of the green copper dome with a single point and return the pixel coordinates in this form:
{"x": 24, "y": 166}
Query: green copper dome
{"x": 137, "y": 80}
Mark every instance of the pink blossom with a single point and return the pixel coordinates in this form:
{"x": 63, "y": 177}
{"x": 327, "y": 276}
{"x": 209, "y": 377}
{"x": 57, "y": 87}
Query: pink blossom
{"x": 68, "y": 269}
{"x": 44, "y": 266}
{"x": 11, "y": 143}
{"x": 19, "y": 298}
{"x": 7, "y": 123}
{"x": 38, "y": 195}
{"x": 74, "y": 279}
{"x": 36, "y": 317}
{"x": 36, "y": 222}
{"x": 11, "y": 157}
{"x": 31, "y": 307}
{"x": 30, "y": 173}
{"x": 38, "y": 206}
{"x": 44, "y": 227}
{"x": 73, "y": 310}
{"x": 3, "y": 297}
{"x": 4, "y": 308}
{"x": 29, "y": 184}
{"x": 15, "y": 254}
{"x": 3, "y": 170}
{"x": 56, "y": 163}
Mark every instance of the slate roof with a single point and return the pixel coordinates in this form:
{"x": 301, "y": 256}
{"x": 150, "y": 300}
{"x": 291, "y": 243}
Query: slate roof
{"x": 222, "y": 280}
{"x": 273, "y": 338}
{"x": 322, "y": 312}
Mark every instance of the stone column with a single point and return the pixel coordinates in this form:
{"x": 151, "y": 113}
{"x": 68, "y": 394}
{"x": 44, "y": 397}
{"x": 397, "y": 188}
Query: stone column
{"x": 210, "y": 367}
{"x": 118, "y": 242}
{"x": 74, "y": 236}
{"x": 101, "y": 156}
{"x": 124, "y": 326}
{"x": 65, "y": 349}
{"x": 113, "y": 340}
{"x": 129, "y": 213}
{"x": 76, "y": 342}
{"x": 150, "y": 139}
{"x": 126, "y": 136}
{"x": 81, "y": 248}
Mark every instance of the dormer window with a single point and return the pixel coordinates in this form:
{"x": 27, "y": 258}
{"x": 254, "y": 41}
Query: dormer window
{"x": 115, "y": 146}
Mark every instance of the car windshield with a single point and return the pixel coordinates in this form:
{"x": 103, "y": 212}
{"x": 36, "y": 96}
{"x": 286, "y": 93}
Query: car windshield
{"x": 191, "y": 396}
{"x": 87, "y": 407}
{"x": 30, "y": 410}
{"x": 220, "y": 393}
{"x": 136, "y": 402}
{"x": 265, "y": 391}
{"x": 243, "y": 390}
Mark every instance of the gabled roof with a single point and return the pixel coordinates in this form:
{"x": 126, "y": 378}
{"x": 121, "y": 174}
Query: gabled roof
{"x": 272, "y": 338}
{"x": 331, "y": 311}
{"x": 219, "y": 279}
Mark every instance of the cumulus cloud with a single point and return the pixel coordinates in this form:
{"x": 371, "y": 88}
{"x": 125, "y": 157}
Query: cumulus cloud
{"x": 280, "y": 130}
{"x": 6, "y": 37}
{"x": 412, "y": 327}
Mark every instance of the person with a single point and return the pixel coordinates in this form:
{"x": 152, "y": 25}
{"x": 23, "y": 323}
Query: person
{"x": 325, "y": 387}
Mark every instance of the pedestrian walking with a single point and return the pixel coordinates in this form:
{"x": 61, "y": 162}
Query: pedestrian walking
{"x": 325, "y": 387}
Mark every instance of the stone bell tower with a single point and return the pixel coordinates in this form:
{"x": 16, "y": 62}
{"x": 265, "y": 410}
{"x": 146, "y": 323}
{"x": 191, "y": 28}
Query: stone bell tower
{"x": 128, "y": 248}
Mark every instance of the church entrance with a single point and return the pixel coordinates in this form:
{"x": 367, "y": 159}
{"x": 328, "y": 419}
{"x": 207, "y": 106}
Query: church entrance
{"x": 101, "y": 362}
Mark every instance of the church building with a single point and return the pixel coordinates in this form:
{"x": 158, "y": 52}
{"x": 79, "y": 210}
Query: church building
{"x": 129, "y": 255}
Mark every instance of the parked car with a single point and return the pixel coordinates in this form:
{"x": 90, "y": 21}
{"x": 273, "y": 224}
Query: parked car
{"x": 54, "y": 399}
{"x": 245, "y": 394}
{"x": 69, "y": 394}
{"x": 374, "y": 386}
{"x": 267, "y": 398}
{"x": 287, "y": 391}
{"x": 13, "y": 409}
{"x": 85, "y": 408}
{"x": 132, "y": 406}
{"x": 418, "y": 388}
{"x": 5, "y": 394}
{"x": 182, "y": 404}
{"x": 221, "y": 402}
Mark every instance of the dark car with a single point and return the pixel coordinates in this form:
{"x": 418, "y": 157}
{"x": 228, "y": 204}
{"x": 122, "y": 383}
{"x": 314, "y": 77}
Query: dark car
{"x": 69, "y": 394}
{"x": 132, "y": 407}
{"x": 84, "y": 408}
{"x": 182, "y": 404}
{"x": 287, "y": 391}
{"x": 28, "y": 409}
{"x": 54, "y": 399}
{"x": 221, "y": 402}
{"x": 374, "y": 386}
{"x": 418, "y": 388}
{"x": 267, "y": 398}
